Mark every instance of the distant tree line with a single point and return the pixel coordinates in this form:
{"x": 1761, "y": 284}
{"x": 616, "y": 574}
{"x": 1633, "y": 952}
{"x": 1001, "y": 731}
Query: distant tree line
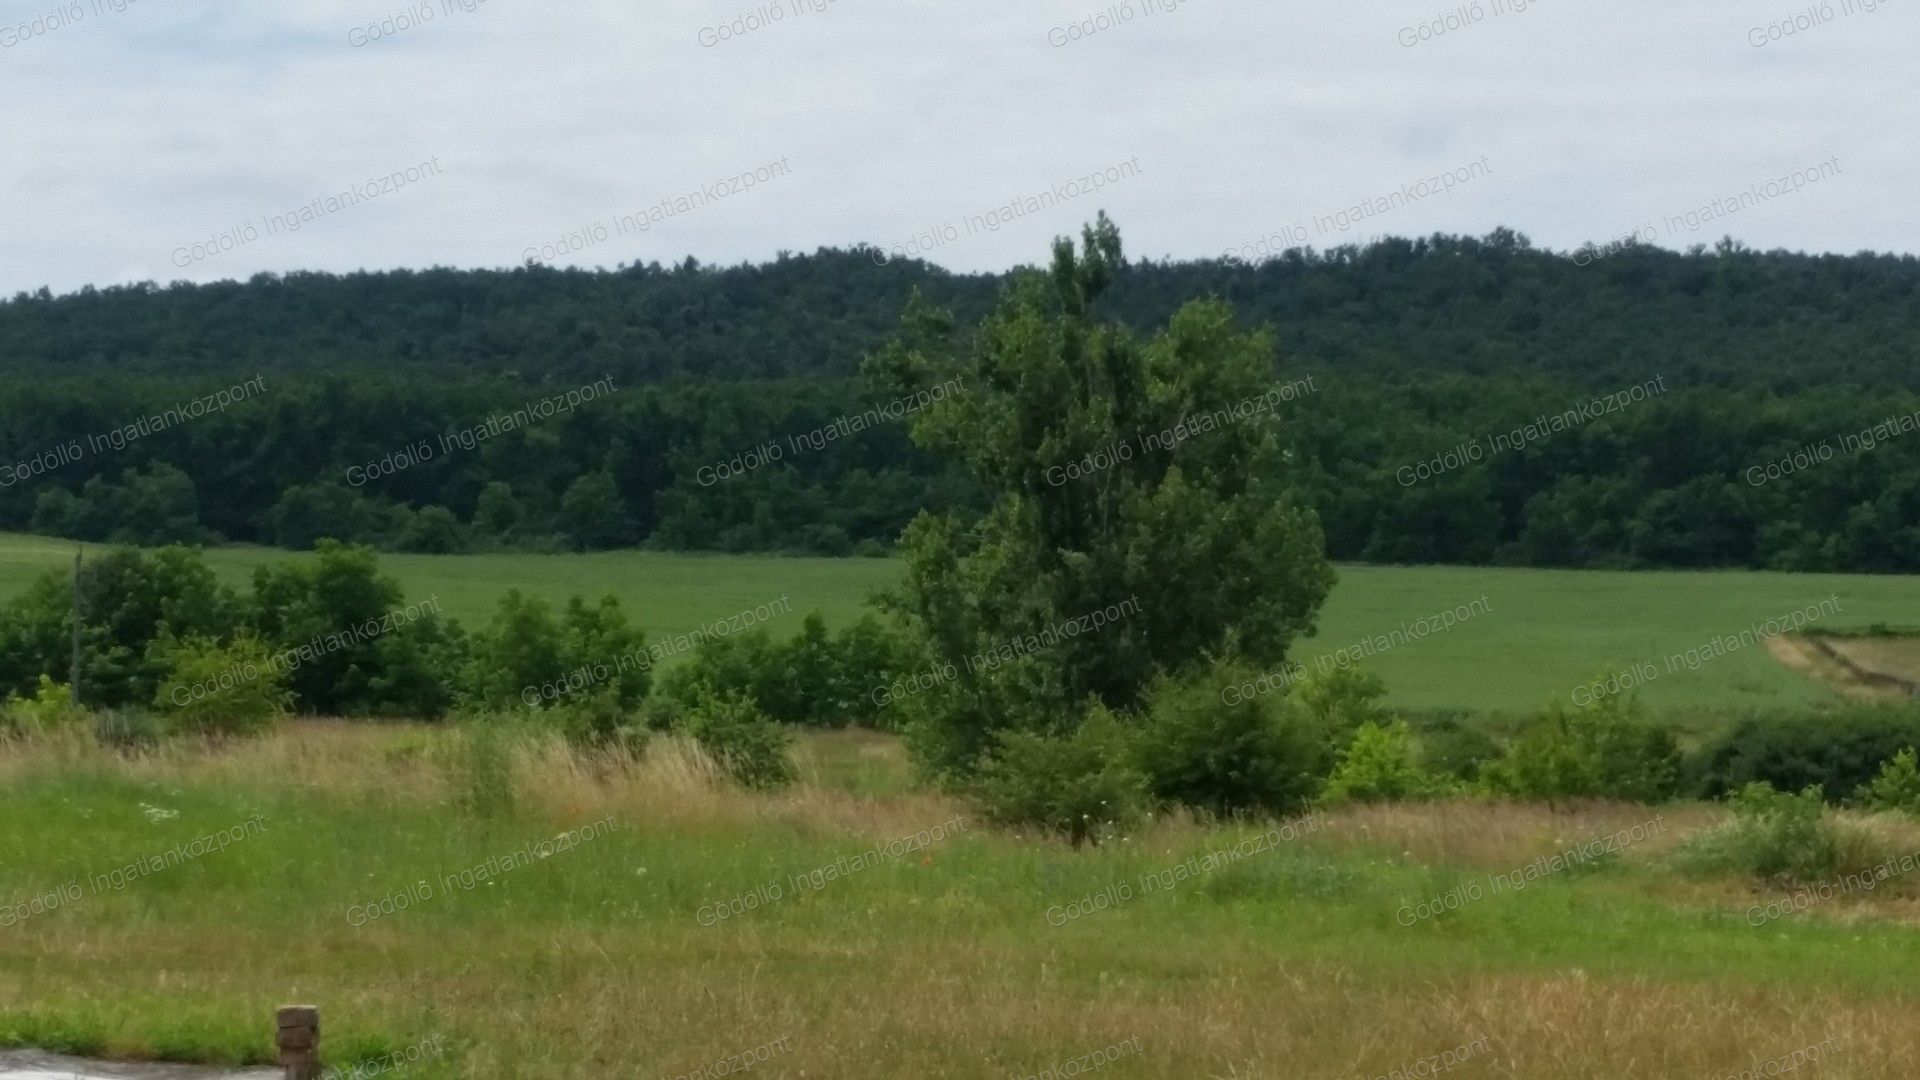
{"x": 1440, "y": 366}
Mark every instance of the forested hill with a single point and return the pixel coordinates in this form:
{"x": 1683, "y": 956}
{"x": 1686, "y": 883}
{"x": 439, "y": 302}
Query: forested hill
{"x": 1479, "y": 306}
{"x": 1473, "y": 401}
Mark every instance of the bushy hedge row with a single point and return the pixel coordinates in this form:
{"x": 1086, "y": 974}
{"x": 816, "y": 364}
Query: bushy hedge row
{"x": 333, "y": 635}
{"x": 1327, "y": 741}
{"x": 1272, "y": 754}
{"x": 1324, "y": 740}
{"x": 815, "y": 679}
{"x": 159, "y": 630}
{"x": 165, "y": 646}
{"x": 1838, "y": 750}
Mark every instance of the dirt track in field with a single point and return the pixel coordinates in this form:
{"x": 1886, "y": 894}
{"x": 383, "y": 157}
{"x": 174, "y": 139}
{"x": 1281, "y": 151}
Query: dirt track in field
{"x": 1830, "y": 661}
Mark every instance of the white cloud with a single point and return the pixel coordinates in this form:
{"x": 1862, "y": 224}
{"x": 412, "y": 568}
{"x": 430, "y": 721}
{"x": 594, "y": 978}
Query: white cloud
{"x": 129, "y": 133}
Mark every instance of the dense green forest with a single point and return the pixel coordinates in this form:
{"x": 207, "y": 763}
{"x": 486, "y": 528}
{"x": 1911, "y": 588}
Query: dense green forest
{"x": 1450, "y": 399}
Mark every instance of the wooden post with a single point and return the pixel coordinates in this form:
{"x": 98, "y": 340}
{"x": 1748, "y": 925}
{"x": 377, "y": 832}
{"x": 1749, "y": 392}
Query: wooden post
{"x": 74, "y": 673}
{"x": 299, "y": 1041}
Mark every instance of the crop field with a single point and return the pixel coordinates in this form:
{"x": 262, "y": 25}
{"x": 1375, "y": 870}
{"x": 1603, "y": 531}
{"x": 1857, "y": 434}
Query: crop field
{"x": 1535, "y": 635}
{"x": 663, "y": 592}
{"x": 849, "y": 928}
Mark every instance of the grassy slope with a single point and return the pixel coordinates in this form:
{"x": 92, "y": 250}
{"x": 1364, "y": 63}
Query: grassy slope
{"x": 1545, "y": 631}
{"x": 940, "y": 964}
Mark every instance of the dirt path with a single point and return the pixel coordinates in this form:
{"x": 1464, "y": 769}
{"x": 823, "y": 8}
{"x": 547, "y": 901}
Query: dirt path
{"x": 1816, "y": 660}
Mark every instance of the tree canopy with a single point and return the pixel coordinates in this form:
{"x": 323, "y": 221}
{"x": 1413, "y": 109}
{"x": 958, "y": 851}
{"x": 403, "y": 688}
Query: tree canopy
{"x": 374, "y": 383}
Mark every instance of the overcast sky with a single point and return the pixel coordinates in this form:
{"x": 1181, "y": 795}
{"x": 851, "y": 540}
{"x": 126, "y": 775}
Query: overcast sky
{"x": 127, "y": 136}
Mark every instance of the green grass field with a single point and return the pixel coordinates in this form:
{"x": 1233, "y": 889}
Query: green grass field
{"x": 972, "y": 956}
{"x": 983, "y": 953}
{"x": 665, "y": 593}
{"x": 1541, "y": 632}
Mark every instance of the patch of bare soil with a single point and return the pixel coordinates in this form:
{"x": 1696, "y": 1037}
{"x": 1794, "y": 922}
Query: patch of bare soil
{"x": 1852, "y": 666}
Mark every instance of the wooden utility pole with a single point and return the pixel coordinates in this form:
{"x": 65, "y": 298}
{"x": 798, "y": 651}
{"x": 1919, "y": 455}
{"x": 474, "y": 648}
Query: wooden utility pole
{"x": 74, "y": 672}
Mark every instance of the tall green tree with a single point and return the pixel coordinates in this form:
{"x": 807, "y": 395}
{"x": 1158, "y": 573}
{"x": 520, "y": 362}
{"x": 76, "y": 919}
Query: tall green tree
{"x": 1136, "y": 481}
{"x": 591, "y": 512}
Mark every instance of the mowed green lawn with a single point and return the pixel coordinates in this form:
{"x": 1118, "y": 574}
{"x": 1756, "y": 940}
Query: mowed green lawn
{"x": 1538, "y": 634}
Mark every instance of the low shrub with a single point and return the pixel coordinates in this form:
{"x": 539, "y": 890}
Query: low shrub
{"x": 815, "y": 679}
{"x": 866, "y": 657}
{"x": 1080, "y": 785}
{"x": 1775, "y": 836}
{"x": 1339, "y": 702}
{"x": 1606, "y": 750}
{"x": 128, "y": 601}
{"x": 215, "y": 689}
{"x": 50, "y": 707}
{"x": 752, "y": 748}
{"x": 1452, "y": 744}
{"x": 530, "y": 657}
{"x": 750, "y": 665}
{"x": 363, "y": 647}
{"x": 1896, "y": 789}
{"x": 1379, "y": 765}
{"x": 1270, "y": 753}
{"x": 595, "y": 719}
{"x": 1839, "y": 749}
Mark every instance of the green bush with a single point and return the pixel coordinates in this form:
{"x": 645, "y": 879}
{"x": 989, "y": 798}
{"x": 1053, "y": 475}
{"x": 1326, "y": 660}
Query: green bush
{"x": 812, "y": 680}
{"x": 1379, "y": 766}
{"x": 1451, "y": 744}
{"x": 520, "y": 650}
{"x": 1839, "y": 749}
{"x": 128, "y": 601}
{"x": 360, "y": 647}
{"x": 1081, "y": 785}
{"x": 1897, "y": 788}
{"x": 1268, "y": 753}
{"x": 527, "y": 658}
{"x": 596, "y": 719}
{"x": 352, "y": 646}
{"x": 1606, "y": 750}
{"x": 1775, "y": 836}
{"x": 215, "y": 689}
{"x": 866, "y": 657}
{"x": 50, "y": 707}
{"x": 1339, "y": 701}
{"x": 752, "y": 748}
{"x": 750, "y": 665}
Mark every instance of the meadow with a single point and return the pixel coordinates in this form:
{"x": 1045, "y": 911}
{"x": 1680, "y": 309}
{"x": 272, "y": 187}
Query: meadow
{"x": 1538, "y": 635}
{"x": 690, "y": 924}
{"x": 525, "y": 908}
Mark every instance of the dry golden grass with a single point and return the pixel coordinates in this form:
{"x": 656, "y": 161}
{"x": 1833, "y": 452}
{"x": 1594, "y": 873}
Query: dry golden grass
{"x": 872, "y": 1010}
{"x": 1494, "y": 835}
{"x": 949, "y": 970}
{"x": 1570, "y": 1027}
{"x": 671, "y": 781}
